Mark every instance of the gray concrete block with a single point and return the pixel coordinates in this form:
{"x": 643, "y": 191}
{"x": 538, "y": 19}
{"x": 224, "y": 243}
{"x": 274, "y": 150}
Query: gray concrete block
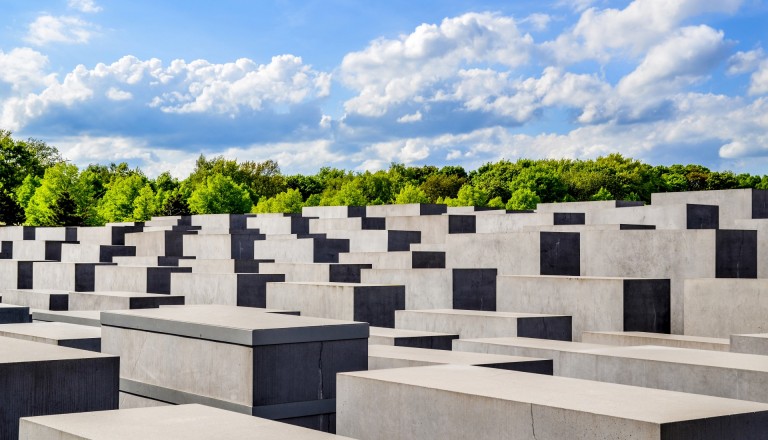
{"x": 188, "y": 422}
{"x": 644, "y": 338}
{"x": 11, "y": 314}
{"x": 750, "y": 343}
{"x": 40, "y": 379}
{"x": 480, "y": 324}
{"x": 463, "y": 402}
{"x": 37, "y": 299}
{"x": 316, "y": 272}
{"x": 233, "y": 289}
{"x": 410, "y": 338}
{"x": 300, "y": 249}
{"x": 719, "y": 308}
{"x": 80, "y": 317}
{"x": 372, "y": 303}
{"x": 407, "y": 210}
{"x": 56, "y": 333}
{"x": 120, "y": 300}
{"x": 387, "y": 356}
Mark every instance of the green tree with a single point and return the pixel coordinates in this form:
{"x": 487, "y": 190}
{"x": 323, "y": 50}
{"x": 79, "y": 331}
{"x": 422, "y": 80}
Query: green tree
{"x": 26, "y": 190}
{"x": 60, "y": 183}
{"x": 117, "y": 205}
{"x": 348, "y": 195}
{"x": 144, "y": 205}
{"x": 288, "y": 201}
{"x": 496, "y": 203}
{"x": 468, "y": 196}
{"x": 442, "y": 185}
{"x": 523, "y": 199}
{"x": 411, "y": 194}
{"x": 220, "y": 195}
{"x": 603, "y": 194}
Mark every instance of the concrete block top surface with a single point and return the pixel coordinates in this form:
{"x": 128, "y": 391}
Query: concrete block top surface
{"x": 17, "y": 350}
{"x": 548, "y": 344}
{"x": 332, "y": 284}
{"x": 83, "y": 317}
{"x": 236, "y": 325}
{"x": 124, "y": 294}
{"x": 402, "y": 333}
{"x": 716, "y": 359}
{"x": 51, "y": 330}
{"x": 443, "y": 356}
{"x": 664, "y": 336}
{"x": 477, "y": 313}
{"x": 608, "y": 399}
{"x": 188, "y": 422}
{"x": 11, "y": 306}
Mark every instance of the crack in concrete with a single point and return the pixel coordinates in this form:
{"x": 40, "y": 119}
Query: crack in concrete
{"x": 320, "y": 373}
{"x": 533, "y": 424}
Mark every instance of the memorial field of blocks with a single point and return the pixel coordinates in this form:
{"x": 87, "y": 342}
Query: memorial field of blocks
{"x": 606, "y": 319}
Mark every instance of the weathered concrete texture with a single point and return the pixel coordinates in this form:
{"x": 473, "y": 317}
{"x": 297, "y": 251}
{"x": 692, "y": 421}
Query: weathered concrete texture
{"x": 232, "y": 289}
{"x": 187, "y": 422}
{"x": 130, "y": 401}
{"x": 277, "y": 224}
{"x": 11, "y": 314}
{"x": 37, "y": 299}
{"x": 78, "y": 277}
{"x": 407, "y": 210}
{"x": 387, "y": 356}
{"x": 372, "y": 303}
{"x": 377, "y": 241}
{"x": 324, "y": 225}
{"x": 41, "y": 379}
{"x": 314, "y": 248}
{"x": 334, "y": 211}
{"x": 673, "y": 216}
{"x": 750, "y": 343}
{"x": 136, "y": 278}
{"x": 664, "y": 340}
{"x": 479, "y": 324}
{"x": 470, "y": 289}
{"x": 410, "y": 338}
{"x": 595, "y": 303}
{"x": 237, "y": 358}
{"x": 721, "y": 307}
{"x": 713, "y": 373}
{"x": 56, "y": 333}
{"x": 223, "y": 266}
{"x": 82, "y": 317}
{"x": 221, "y": 246}
{"x": 120, "y": 300}
{"x": 734, "y": 204}
{"x": 397, "y": 260}
{"x": 460, "y": 402}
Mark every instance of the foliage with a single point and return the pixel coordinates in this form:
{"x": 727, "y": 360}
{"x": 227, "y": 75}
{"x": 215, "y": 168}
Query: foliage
{"x": 220, "y": 195}
{"x": 288, "y": 201}
{"x": 61, "y": 188}
{"x": 523, "y": 199}
{"x": 602, "y": 194}
{"x": 410, "y": 194}
{"x": 117, "y": 205}
{"x": 468, "y": 196}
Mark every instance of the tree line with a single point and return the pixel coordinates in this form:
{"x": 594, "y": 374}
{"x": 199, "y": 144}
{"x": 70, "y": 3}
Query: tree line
{"x": 40, "y": 188}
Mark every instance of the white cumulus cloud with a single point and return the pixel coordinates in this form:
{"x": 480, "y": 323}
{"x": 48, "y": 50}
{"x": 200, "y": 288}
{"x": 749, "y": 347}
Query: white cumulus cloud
{"x": 87, "y": 6}
{"x": 48, "y": 29}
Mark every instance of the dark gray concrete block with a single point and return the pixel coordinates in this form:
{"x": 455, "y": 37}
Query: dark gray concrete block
{"x": 118, "y": 232}
{"x": 626, "y": 227}
{"x": 373, "y": 223}
{"x": 10, "y": 314}
{"x": 24, "y": 275}
{"x": 432, "y": 209}
{"x": 376, "y": 305}
{"x": 242, "y": 244}
{"x": 155, "y": 302}
{"x": 327, "y": 250}
{"x": 647, "y": 306}
{"x": 427, "y": 260}
{"x": 249, "y": 265}
{"x": 568, "y": 218}
{"x": 474, "y": 289}
{"x": 159, "y": 278}
{"x": 346, "y": 273}
{"x": 29, "y": 232}
{"x": 759, "y": 203}
{"x": 628, "y": 203}
{"x": 702, "y": 216}
{"x": 736, "y": 254}
{"x": 559, "y": 253}
{"x": 85, "y": 276}
{"x": 106, "y": 252}
{"x": 53, "y": 250}
{"x": 252, "y": 288}
{"x": 6, "y": 250}
{"x": 750, "y": 426}
{"x": 553, "y": 327}
{"x": 430, "y": 342}
{"x": 538, "y": 366}
{"x": 174, "y": 242}
{"x": 402, "y": 240}
{"x": 462, "y": 224}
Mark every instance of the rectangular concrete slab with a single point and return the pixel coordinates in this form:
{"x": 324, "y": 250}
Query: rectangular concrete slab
{"x": 410, "y": 338}
{"x": 188, "y": 422}
{"x": 37, "y": 299}
{"x": 117, "y": 300}
{"x": 460, "y": 402}
{"x": 387, "y": 356}
{"x": 664, "y": 340}
{"x": 10, "y": 313}
{"x": 81, "y": 317}
{"x": 479, "y": 324}
{"x": 56, "y": 333}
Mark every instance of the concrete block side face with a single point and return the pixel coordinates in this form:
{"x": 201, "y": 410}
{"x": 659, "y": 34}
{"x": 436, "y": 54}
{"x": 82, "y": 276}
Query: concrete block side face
{"x": 70, "y": 234}
{"x": 628, "y": 227}
{"x": 377, "y": 305}
{"x": 28, "y": 232}
{"x": 326, "y": 250}
{"x": 242, "y": 245}
{"x": 159, "y": 278}
{"x": 462, "y": 224}
{"x": 401, "y": 240}
{"x": 154, "y": 302}
{"x": 320, "y": 422}
{"x": 107, "y": 252}
{"x": 53, "y": 250}
{"x": 432, "y": 209}
{"x": 6, "y": 250}
{"x": 174, "y": 244}
{"x": 647, "y": 306}
{"x": 247, "y": 265}
{"x": 759, "y": 203}
{"x": 541, "y": 366}
{"x": 304, "y": 372}
{"x": 702, "y": 216}
{"x": 299, "y": 225}
{"x": 85, "y": 277}
{"x": 252, "y": 288}
{"x": 356, "y": 211}
{"x": 14, "y": 315}
{"x": 373, "y": 223}
{"x": 558, "y": 328}
{"x": 346, "y": 273}
{"x": 736, "y": 254}
{"x": 568, "y": 218}
{"x": 24, "y": 275}
{"x": 474, "y": 289}
{"x": 431, "y": 342}
{"x": 55, "y": 387}
{"x": 559, "y": 253}
{"x": 58, "y": 302}
{"x": 89, "y": 344}
{"x": 427, "y": 260}
{"x": 747, "y": 426}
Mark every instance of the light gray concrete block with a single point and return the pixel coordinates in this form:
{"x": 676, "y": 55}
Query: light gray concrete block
{"x": 131, "y": 401}
{"x": 721, "y": 307}
{"x": 424, "y": 288}
{"x": 120, "y": 300}
{"x": 750, "y": 343}
{"x": 460, "y": 402}
{"x": 81, "y": 317}
{"x": 410, "y": 338}
{"x": 661, "y": 339}
{"x": 36, "y": 299}
{"x": 55, "y": 333}
{"x": 387, "y": 356}
{"x": 479, "y": 324}
{"x": 188, "y": 422}
{"x": 735, "y": 204}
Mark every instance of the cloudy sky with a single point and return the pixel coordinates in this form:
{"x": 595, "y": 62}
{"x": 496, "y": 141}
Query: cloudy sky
{"x": 358, "y": 85}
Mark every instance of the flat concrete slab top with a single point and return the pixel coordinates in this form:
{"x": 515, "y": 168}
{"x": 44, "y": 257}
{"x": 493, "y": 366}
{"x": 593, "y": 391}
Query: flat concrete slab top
{"x": 16, "y": 350}
{"x": 81, "y": 317}
{"x": 237, "y": 325}
{"x": 402, "y": 333}
{"x": 614, "y": 400}
{"x": 477, "y": 313}
{"x": 717, "y": 359}
{"x": 443, "y": 356}
{"x": 188, "y": 422}
{"x": 336, "y": 284}
{"x": 36, "y": 291}
{"x": 11, "y": 306}
{"x": 549, "y": 344}
{"x": 667, "y": 337}
{"x": 749, "y": 335}
{"x": 51, "y": 330}
{"x": 121, "y": 294}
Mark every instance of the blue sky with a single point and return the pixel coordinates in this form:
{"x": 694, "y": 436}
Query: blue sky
{"x": 361, "y": 84}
